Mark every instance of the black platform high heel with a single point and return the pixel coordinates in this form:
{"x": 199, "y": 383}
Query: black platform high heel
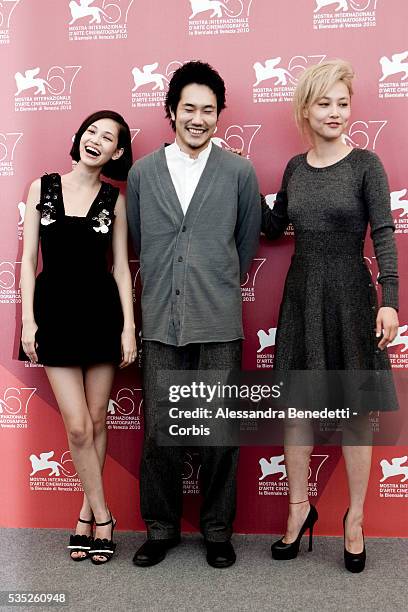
{"x": 353, "y": 562}
{"x": 80, "y": 543}
{"x": 283, "y": 551}
{"x": 103, "y": 547}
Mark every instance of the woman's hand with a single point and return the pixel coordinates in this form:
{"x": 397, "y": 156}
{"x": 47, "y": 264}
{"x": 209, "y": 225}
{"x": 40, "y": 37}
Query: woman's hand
{"x": 129, "y": 350}
{"x": 28, "y": 340}
{"x": 387, "y": 323}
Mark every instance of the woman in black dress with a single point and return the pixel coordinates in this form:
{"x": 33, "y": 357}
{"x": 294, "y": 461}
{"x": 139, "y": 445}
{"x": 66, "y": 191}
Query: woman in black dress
{"x": 329, "y": 318}
{"x": 77, "y": 317}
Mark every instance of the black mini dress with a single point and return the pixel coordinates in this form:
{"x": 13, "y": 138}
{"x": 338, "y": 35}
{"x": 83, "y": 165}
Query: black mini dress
{"x": 76, "y": 300}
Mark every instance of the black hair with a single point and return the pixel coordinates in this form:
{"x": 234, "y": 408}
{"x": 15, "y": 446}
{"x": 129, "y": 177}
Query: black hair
{"x": 193, "y": 72}
{"x": 115, "y": 169}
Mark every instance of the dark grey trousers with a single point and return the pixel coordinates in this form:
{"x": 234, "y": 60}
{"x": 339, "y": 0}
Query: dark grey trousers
{"x": 161, "y": 484}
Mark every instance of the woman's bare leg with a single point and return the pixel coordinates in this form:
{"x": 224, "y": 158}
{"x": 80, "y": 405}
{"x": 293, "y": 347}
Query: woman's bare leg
{"x": 98, "y": 381}
{"x": 357, "y": 453}
{"x": 297, "y": 459}
{"x": 68, "y": 387}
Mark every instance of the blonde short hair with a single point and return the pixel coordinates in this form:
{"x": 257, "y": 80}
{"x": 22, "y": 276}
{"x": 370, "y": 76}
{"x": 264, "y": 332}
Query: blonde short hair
{"x": 315, "y": 82}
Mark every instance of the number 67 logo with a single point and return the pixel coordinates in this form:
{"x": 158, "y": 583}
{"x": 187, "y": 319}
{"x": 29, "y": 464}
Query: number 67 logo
{"x": 8, "y": 272}
{"x": 6, "y": 10}
{"x": 257, "y": 264}
{"x": 8, "y": 143}
{"x": 57, "y": 81}
{"x": 364, "y": 134}
{"x": 15, "y": 401}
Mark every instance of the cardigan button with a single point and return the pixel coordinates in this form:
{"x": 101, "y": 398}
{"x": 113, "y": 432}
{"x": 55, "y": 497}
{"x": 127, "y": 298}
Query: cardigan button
{"x": 180, "y": 258}
{"x": 183, "y": 229}
{"x": 177, "y": 291}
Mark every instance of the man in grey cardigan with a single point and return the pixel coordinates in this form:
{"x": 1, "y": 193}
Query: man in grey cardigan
{"x": 194, "y": 216}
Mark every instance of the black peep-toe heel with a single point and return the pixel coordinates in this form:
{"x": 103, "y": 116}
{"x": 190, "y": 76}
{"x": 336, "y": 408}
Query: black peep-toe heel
{"x": 80, "y": 543}
{"x": 103, "y": 547}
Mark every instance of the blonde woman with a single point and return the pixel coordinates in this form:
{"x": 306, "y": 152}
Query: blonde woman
{"x": 329, "y": 318}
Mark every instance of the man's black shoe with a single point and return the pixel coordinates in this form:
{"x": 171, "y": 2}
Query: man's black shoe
{"x": 153, "y": 551}
{"x": 220, "y": 554}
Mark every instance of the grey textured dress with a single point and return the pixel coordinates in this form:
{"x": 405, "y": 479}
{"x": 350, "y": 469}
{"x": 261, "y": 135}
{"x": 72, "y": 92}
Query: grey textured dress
{"x": 328, "y": 312}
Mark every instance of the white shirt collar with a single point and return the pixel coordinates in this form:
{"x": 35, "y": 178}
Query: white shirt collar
{"x": 175, "y": 150}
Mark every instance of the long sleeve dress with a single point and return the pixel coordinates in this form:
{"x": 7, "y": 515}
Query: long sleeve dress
{"x": 328, "y": 313}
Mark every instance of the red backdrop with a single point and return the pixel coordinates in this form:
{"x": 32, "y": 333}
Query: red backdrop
{"x": 60, "y": 61}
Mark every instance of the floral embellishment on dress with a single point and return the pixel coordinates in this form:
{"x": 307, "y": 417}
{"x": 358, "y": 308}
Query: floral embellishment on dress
{"x": 103, "y": 222}
{"x": 48, "y": 214}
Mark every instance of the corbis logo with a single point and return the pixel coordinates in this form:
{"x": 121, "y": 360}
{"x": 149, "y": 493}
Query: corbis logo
{"x": 212, "y": 17}
{"x": 334, "y": 14}
{"x": 124, "y": 412}
{"x": 273, "y": 476}
{"x": 98, "y": 20}
{"x": 248, "y": 286}
{"x": 9, "y": 283}
{"x": 6, "y": 10}
{"x": 393, "y": 82}
{"x": 191, "y": 473}
{"x": 49, "y": 93}
{"x": 14, "y": 407}
{"x": 8, "y": 144}
{"x": 396, "y": 471}
{"x": 55, "y": 475}
{"x": 239, "y": 137}
{"x": 152, "y": 83}
{"x": 280, "y": 80}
